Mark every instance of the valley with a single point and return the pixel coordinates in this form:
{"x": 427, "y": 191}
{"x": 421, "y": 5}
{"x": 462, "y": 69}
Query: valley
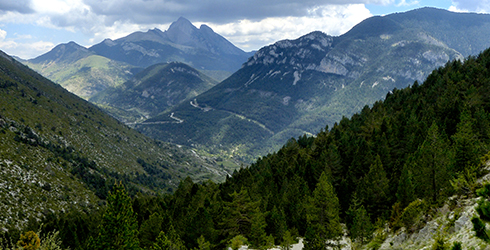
{"x": 378, "y": 138}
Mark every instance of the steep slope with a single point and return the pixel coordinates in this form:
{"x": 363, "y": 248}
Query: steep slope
{"x": 154, "y": 90}
{"x": 402, "y": 174}
{"x": 59, "y": 151}
{"x": 80, "y": 70}
{"x": 297, "y": 86}
{"x": 200, "y": 48}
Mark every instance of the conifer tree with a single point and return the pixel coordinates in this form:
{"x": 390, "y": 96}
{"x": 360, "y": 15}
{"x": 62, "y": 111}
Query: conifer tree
{"x": 432, "y": 165}
{"x": 118, "y": 229}
{"x": 150, "y": 229}
{"x": 405, "y": 192}
{"x": 374, "y": 188}
{"x": 237, "y": 214}
{"x": 322, "y": 216}
{"x": 257, "y": 236}
{"x": 465, "y": 142}
{"x": 203, "y": 244}
{"x": 362, "y": 227}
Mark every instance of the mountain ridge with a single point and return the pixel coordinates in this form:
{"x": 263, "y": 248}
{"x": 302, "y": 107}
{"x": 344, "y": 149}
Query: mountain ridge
{"x": 295, "y": 87}
{"x": 154, "y": 90}
{"x": 86, "y": 71}
{"x": 154, "y": 46}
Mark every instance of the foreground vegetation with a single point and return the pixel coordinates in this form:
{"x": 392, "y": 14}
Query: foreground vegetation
{"x": 383, "y": 167}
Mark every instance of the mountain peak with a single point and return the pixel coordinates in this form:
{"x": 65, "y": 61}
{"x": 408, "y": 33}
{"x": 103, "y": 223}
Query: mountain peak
{"x": 205, "y": 28}
{"x": 65, "y": 52}
{"x": 180, "y": 27}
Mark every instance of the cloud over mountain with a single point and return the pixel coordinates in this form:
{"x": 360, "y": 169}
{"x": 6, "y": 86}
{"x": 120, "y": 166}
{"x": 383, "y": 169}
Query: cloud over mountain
{"x": 21, "y": 6}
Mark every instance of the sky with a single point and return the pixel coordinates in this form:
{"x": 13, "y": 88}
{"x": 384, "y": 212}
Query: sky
{"x": 29, "y": 28}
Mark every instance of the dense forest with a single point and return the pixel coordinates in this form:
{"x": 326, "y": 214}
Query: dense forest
{"x": 402, "y": 156}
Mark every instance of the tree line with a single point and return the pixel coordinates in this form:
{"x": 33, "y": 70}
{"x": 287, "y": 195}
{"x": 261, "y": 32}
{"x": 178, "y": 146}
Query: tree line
{"x": 400, "y": 157}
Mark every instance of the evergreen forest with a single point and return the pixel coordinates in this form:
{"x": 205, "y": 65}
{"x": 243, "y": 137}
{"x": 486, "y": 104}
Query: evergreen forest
{"x": 402, "y": 156}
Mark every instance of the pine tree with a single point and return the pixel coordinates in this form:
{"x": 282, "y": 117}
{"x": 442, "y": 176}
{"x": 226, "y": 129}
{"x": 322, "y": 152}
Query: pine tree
{"x": 287, "y": 241}
{"x": 465, "y": 142}
{"x": 257, "y": 236}
{"x": 362, "y": 227}
{"x": 322, "y": 216}
{"x": 150, "y": 229}
{"x": 374, "y": 188}
{"x": 168, "y": 241}
{"x": 432, "y": 165}
{"x": 203, "y": 244}
{"x": 118, "y": 229}
{"x": 405, "y": 192}
{"x": 237, "y": 214}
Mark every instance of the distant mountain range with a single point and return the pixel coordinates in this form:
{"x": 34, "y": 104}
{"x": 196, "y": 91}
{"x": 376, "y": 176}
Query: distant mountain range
{"x": 200, "y": 48}
{"x": 299, "y": 86}
{"x": 110, "y": 63}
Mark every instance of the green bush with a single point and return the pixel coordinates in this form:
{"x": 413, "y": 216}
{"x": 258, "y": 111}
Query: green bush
{"x": 29, "y": 241}
{"x": 457, "y": 246}
{"x": 411, "y": 214}
{"x": 483, "y": 210}
{"x": 237, "y": 242}
{"x": 439, "y": 243}
{"x": 484, "y": 191}
{"x": 479, "y": 228}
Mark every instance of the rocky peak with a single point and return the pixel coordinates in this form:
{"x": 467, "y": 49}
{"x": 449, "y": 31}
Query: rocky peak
{"x": 205, "y": 28}
{"x": 181, "y": 31}
{"x": 303, "y": 53}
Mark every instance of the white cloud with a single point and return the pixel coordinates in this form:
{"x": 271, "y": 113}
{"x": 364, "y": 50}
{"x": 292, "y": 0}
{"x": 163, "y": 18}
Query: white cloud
{"x": 3, "y": 34}
{"x": 479, "y": 6}
{"x": 403, "y": 3}
{"x": 240, "y": 21}
{"x": 332, "y": 19}
{"x": 22, "y": 49}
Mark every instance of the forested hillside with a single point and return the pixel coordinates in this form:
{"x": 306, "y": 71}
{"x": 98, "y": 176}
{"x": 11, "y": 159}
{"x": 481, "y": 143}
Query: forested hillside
{"x": 60, "y": 152}
{"x": 385, "y": 166}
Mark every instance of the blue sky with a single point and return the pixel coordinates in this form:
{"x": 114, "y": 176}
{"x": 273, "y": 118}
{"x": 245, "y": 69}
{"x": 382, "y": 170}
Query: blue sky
{"x": 29, "y": 28}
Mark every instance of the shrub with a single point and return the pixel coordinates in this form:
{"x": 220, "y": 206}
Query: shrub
{"x": 483, "y": 210}
{"x": 479, "y": 228}
{"x": 237, "y": 242}
{"x": 411, "y": 214}
{"x": 457, "y": 246}
{"x": 484, "y": 191}
{"x": 29, "y": 241}
{"x": 439, "y": 243}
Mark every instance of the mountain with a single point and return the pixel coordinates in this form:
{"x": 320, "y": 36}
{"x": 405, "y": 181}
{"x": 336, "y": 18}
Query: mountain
{"x": 80, "y": 70}
{"x": 58, "y": 151}
{"x": 201, "y": 48}
{"x": 296, "y": 87}
{"x": 410, "y": 172}
{"x": 110, "y": 63}
{"x": 153, "y": 90}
